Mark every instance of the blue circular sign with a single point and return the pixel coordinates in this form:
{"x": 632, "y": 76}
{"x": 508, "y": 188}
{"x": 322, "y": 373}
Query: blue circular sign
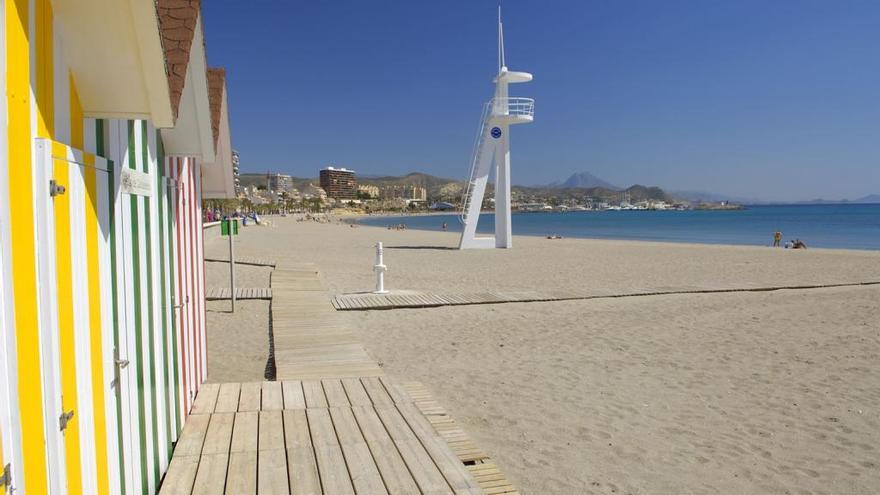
{"x": 496, "y": 132}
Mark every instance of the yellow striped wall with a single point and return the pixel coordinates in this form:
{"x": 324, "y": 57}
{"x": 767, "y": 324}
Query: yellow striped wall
{"x": 62, "y": 312}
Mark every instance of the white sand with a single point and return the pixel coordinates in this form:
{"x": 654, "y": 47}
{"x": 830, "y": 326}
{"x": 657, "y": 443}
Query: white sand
{"x": 765, "y": 392}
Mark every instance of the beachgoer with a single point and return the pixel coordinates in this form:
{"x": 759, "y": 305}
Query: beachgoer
{"x": 799, "y": 244}
{"x": 777, "y": 238}
{"x": 445, "y": 227}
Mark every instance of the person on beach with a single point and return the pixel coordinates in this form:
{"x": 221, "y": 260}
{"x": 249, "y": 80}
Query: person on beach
{"x": 445, "y": 227}
{"x": 777, "y": 238}
{"x": 799, "y": 244}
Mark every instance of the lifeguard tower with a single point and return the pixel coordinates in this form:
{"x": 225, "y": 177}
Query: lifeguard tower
{"x": 493, "y": 146}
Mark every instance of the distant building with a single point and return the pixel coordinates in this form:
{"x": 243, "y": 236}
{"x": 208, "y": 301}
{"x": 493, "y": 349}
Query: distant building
{"x": 368, "y": 190}
{"x": 313, "y": 191}
{"x": 279, "y": 183}
{"x": 340, "y": 183}
{"x": 405, "y": 192}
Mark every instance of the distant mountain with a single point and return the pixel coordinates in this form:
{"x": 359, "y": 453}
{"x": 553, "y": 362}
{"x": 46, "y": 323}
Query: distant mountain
{"x": 584, "y": 180}
{"x": 635, "y": 193}
{"x": 871, "y": 198}
{"x": 697, "y": 196}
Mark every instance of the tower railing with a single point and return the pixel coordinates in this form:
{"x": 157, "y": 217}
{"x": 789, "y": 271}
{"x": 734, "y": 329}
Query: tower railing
{"x": 513, "y": 106}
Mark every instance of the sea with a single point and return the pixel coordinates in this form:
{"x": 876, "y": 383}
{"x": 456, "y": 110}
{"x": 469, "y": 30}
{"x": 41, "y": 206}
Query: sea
{"x": 847, "y": 226}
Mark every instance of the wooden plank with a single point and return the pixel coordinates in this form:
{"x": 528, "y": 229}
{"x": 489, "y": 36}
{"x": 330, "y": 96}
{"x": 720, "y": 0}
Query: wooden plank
{"x": 227, "y": 398}
{"x": 361, "y": 466}
{"x": 302, "y": 471}
{"x": 219, "y": 435}
{"x": 244, "y": 432}
{"x": 193, "y": 435}
{"x": 451, "y": 467}
{"x": 332, "y": 470}
{"x": 395, "y": 391}
{"x": 419, "y": 462}
{"x": 180, "y": 476}
{"x": 357, "y": 396}
{"x": 321, "y": 427}
{"x": 302, "y": 465}
{"x": 335, "y": 393}
{"x": 376, "y": 391}
{"x": 249, "y": 399}
{"x": 331, "y": 462}
{"x": 272, "y": 398}
{"x": 241, "y": 476}
{"x": 272, "y": 473}
{"x": 272, "y": 461}
{"x": 271, "y": 431}
{"x": 293, "y": 394}
{"x": 211, "y": 477}
{"x": 314, "y": 393}
{"x": 391, "y": 465}
{"x": 296, "y": 429}
{"x": 206, "y": 399}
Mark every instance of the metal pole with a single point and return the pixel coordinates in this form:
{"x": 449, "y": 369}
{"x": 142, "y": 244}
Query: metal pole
{"x": 232, "y": 264}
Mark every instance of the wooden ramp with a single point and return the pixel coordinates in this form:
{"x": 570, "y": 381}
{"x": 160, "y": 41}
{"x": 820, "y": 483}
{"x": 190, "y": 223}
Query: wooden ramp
{"x": 416, "y": 299}
{"x": 218, "y": 293}
{"x": 363, "y": 436}
{"x": 483, "y": 469}
{"x": 311, "y": 340}
{"x": 244, "y": 261}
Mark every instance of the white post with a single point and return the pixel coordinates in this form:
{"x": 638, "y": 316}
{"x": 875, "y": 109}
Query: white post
{"x": 380, "y": 268}
{"x": 232, "y": 264}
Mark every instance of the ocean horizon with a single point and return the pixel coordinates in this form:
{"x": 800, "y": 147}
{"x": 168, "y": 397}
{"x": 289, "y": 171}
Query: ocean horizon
{"x": 840, "y": 226}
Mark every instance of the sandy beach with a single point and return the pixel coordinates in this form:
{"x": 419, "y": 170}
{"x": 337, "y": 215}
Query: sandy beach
{"x": 741, "y": 392}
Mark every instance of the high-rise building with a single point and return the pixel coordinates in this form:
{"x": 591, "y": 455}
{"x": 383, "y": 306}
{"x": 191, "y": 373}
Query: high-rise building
{"x": 279, "y": 183}
{"x": 340, "y": 183}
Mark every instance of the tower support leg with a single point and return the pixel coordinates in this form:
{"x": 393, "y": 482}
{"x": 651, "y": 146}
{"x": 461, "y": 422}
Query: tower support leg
{"x": 503, "y": 229}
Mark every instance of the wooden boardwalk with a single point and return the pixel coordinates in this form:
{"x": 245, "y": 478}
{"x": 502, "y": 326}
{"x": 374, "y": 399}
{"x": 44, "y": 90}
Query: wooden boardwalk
{"x": 243, "y": 261}
{"x": 219, "y": 293}
{"x": 359, "y": 435}
{"x": 415, "y": 299}
{"x": 312, "y": 341}
{"x": 333, "y": 424}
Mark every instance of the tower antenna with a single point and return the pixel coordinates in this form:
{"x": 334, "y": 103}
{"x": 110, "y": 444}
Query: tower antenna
{"x": 501, "y": 63}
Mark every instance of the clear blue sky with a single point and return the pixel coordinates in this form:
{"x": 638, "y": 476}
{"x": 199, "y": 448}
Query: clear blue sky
{"x": 752, "y": 98}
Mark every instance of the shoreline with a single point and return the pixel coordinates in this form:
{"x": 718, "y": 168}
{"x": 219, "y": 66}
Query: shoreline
{"x": 626, "y": 240}
{"x": 633, "y": 228}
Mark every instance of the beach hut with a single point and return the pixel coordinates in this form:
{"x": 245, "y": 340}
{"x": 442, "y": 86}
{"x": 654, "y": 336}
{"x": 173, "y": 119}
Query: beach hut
{"x": 102, "y": 333}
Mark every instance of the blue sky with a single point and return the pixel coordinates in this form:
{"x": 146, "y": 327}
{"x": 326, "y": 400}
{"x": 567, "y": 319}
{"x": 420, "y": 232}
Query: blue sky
{"x": 760, "y": 99}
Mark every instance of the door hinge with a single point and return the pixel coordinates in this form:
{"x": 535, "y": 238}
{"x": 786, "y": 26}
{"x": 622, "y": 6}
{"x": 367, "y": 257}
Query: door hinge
{"x": 65, "y": 419}
{"x": 6, "y": 478}
{"x": 55, "y": 189}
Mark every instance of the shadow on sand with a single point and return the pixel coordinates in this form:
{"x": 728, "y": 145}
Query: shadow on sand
{"x": 436, "y": 248}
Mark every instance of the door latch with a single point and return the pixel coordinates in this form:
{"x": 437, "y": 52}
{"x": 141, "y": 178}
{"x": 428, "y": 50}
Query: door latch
{"x": 65, "y": 419}
{"x": 119, "y": 364}
{"x": 6, "y": 478}
{"x": 55, "y": 189}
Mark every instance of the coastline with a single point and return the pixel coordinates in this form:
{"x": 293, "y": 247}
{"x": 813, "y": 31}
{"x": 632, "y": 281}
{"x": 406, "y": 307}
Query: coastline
{"x": 822, "y": 227}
